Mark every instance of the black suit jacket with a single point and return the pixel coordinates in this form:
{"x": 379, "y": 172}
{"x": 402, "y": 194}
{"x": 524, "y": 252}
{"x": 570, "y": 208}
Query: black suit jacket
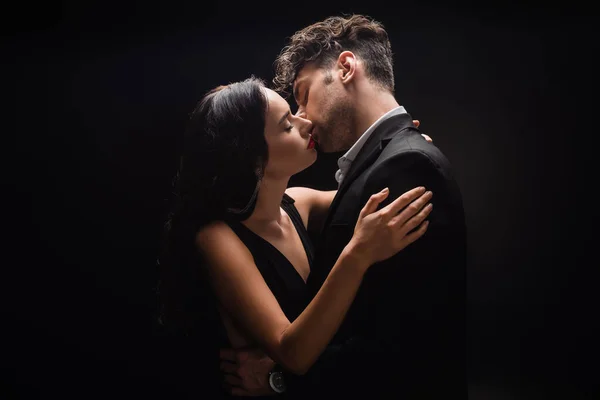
{"x": 405, "y": 331}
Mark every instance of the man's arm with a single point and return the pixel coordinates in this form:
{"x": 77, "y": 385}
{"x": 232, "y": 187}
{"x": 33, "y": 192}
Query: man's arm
{"x": 249, "y": 369}
{"x": 417, "y": 298}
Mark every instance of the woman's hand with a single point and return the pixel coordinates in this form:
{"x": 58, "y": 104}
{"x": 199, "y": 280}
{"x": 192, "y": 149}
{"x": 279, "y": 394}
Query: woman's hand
{"x": 417, "y": 123}
{"x": 378, "y": 235}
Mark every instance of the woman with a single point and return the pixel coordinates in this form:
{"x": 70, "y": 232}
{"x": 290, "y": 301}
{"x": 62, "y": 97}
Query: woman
{"x": 237, "y": 225}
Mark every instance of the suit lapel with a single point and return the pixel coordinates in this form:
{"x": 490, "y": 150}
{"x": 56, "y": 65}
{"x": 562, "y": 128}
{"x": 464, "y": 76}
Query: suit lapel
{"x": 369, "y": 153}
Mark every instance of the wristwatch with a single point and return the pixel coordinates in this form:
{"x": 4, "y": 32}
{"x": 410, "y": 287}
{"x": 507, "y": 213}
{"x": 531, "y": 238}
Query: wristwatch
{"x": 276, "y": 379}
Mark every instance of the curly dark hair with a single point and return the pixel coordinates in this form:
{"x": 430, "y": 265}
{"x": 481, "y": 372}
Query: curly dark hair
{"x": 222, "y": 162}
{"x": 322, "y": 42}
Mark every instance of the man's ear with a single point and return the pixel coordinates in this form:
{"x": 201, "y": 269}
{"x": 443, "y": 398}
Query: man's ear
{"x": 346, "y": 64}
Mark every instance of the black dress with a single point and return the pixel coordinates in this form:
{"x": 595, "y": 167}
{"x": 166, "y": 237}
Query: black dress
{"x": 281, "y": 277}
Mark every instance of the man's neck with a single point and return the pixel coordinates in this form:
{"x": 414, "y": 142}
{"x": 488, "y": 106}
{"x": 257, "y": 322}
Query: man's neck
{"x": 370, "y": 106}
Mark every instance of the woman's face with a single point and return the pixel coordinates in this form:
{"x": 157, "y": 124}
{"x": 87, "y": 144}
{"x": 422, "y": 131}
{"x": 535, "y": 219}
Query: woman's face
{"x": 291, "y": 148}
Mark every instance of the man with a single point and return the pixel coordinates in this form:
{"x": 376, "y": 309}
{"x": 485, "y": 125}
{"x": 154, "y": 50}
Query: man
{"x": 405, "y": 332}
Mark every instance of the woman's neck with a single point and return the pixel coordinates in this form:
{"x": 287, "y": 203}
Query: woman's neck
{"x": 268, "y": 203}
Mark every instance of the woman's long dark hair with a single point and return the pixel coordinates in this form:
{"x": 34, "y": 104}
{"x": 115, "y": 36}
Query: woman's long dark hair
{"x": 222, "y": 161}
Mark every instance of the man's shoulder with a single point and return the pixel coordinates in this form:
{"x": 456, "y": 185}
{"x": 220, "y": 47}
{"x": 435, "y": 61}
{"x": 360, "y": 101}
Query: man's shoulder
{"x": 411, "y": 145}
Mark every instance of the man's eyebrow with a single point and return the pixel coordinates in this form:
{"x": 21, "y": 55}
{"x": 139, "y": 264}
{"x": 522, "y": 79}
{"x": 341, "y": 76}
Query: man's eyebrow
{"x": 284, "y": 116}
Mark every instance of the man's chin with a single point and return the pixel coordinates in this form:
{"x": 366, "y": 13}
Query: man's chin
{"x": 342, "y": 144}
{"x": 330, "y": 149}
{"x": 323, "y": 147}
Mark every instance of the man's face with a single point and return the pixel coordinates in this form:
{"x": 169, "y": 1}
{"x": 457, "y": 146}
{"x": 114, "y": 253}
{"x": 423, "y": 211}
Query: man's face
{"x": 323, "y": 99}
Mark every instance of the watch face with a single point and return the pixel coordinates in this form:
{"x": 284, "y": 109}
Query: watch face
{"x": 276, "y": 382}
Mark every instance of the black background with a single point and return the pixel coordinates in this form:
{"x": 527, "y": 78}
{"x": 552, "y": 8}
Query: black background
{"x": 97, "y": 98}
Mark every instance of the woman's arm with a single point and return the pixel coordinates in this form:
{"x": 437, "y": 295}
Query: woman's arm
{"x": 242, "y": 291}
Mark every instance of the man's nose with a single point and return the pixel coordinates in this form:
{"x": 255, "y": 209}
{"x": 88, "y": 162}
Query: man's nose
{"x": 307, "y": 127}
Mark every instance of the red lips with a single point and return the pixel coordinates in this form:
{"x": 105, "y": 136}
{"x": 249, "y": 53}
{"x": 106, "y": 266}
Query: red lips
{"x": 311, "y": 142}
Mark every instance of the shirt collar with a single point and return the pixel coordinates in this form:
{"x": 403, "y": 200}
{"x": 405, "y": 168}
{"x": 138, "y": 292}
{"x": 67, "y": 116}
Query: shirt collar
{"x": 345, "y": 161}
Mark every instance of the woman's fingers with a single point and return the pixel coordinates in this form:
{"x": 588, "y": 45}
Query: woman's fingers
{"x": 373, "y": 202}
{"x": 402, "y": 201}
{"x": 416, "y": 220}
{"x": 412, "y": 209}
{"x": 426, "y": 137}
{"x": 411, "y": 237}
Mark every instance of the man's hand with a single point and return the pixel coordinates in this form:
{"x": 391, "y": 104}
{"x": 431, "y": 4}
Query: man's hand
{"x": 417, "y": 123}
{"x": 246, "y": 372}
